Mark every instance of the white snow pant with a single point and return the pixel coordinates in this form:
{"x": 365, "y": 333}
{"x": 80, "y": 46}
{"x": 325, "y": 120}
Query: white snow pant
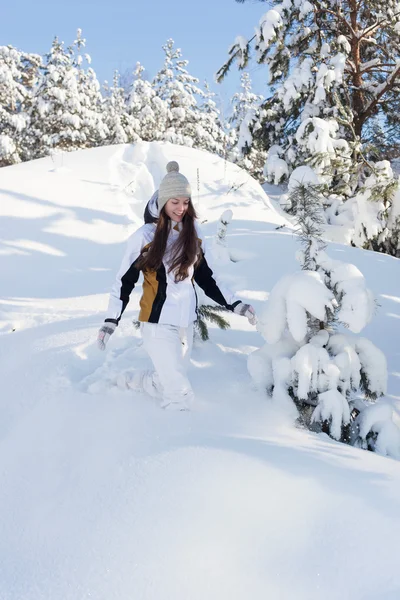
{"x": 169, "y": 348}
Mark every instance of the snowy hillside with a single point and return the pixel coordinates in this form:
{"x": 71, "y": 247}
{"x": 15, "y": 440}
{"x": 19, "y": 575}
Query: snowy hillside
{"x": 105, "y": 496}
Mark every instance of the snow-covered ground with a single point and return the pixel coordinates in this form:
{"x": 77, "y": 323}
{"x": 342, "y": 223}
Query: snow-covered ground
{"x": 105, "y": 496}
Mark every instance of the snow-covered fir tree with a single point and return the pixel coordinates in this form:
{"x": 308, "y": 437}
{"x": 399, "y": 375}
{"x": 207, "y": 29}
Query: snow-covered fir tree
{"x": 329, "y": 378}
{"x": 146, "y": 110}
{"x": 18, "y": 77}
{"x": 93, "y": 128}
{"x": 11, "y": 96}
{"x": 122, "y": 128}
{"x": 333, "y": 67}
{"x": 31, "y": 74}
{"x": 179, "y": 90}
{"x": 210, "y": 131}
{"x": 370, "y": 213}
{"x": 57, "y": 114}
{"x": 246, "y": 149}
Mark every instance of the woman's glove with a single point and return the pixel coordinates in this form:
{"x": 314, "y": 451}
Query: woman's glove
{"x": 246, "y": 310}
{"x": 105, "y": 332}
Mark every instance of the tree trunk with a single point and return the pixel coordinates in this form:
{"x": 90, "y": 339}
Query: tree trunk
{"x": 358, "y": 100}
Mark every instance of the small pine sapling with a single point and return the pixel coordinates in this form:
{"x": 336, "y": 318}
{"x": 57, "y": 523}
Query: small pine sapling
{"x": 330, "y": 378}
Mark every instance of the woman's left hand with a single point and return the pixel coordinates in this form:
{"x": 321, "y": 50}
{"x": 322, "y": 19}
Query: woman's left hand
{"x": 246, "y": 310}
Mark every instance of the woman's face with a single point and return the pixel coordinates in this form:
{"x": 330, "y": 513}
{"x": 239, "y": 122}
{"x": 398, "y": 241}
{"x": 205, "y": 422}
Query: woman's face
{"x": 176, "y": 208}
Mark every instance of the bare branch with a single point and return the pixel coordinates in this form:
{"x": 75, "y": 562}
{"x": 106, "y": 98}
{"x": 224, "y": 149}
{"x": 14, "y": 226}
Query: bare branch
{"x": 372, "y": 28}
{"x": 389, "y": 85}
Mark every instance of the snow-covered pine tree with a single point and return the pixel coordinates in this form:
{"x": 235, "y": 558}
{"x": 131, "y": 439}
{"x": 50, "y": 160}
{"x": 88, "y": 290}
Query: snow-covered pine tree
{"x": 11, "y": 95}
{"x": 122, "y": 128}
{"x": 126, "y": 79}
{"x": 246, "y": 149}
{"x": 93, "y": 127}
{"x": 179, "y": 90}
{"x": 331, "y": 379}
{"x": 392, "y": 241}
{"x": 146, "y": 110}
{"x": 56, "y": 114}
{"x": 333, "y": 66}
{"x": 18, "y": 76}
{"x": 372, "y": 210}
{"x": 32, "y": 65}
{"x": 211, "y": 134}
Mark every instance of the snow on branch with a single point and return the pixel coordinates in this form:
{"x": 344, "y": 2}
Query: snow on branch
{"x": 292, "y": 299}
{"x": 377, "y": 430}
{"x": 356, "y": 300}
{"x": 332, "y": 407}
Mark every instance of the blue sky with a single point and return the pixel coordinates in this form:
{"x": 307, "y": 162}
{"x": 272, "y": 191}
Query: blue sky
{"x": 120, "y": 33}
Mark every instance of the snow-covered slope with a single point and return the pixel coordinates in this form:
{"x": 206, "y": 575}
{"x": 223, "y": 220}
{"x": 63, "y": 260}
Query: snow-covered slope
{"x": 102, "y": 494}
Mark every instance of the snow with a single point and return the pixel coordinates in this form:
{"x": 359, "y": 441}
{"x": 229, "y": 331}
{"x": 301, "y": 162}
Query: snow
{"x": 7, "y": 146}
{"x": 242, "y": 42}
{"x": 367, "y": 216}
{"x": 306, "y": 363}
{"x": 269, "y": 23}
{"x": 395, "y": 208}
{"x": 357, "y": 300}
{"x": 319, "y": 135}
{"x": 219, "y": 246}
{"x": 299, "y": 81}
{"x": 276, "y": 169}
{"x": 105, "y": 495}
{"x": 303, "y": 176}
{"x": 332, "y": 406}
{"x": 290, "y": 300}
{"x": 377, "y": 419}
{"x": 305, "y": 8}
{"x": 344, "y": 43}
{"x": 374, "y": 364}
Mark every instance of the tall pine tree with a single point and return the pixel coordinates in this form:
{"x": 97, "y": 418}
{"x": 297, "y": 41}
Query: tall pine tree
{"x": 93, "y": 128}
{"x": 146, "y": 110}
{"x": 18, "y": 77}
{"x": 179, "y": 90}
{"x": 334, "y": 69}
{"x": 57, "y": 114}
{"x": 210, "y": 131}
{"x": 245, "y": 149}
{"x": 121, "y": 127}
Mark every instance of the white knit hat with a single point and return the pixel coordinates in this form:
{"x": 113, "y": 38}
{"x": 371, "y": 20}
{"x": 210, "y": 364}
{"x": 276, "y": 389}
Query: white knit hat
{"x": 174, "y": 185}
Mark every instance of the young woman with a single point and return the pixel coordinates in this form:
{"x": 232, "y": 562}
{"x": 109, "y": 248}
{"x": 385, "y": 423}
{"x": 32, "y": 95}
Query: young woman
{"x": 170, "y": 252}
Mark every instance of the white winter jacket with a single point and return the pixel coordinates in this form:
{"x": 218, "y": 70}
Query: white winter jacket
{"x": 163, "y": 299}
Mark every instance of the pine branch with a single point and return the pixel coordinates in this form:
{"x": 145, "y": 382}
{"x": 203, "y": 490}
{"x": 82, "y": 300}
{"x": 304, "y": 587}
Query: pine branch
{"x": 220, "y": 74}
{"x": 218, "y": 320}
{"x": 202, "y": 330}
{"x": 207, "y": 312}
{"x": 337, "y": 15}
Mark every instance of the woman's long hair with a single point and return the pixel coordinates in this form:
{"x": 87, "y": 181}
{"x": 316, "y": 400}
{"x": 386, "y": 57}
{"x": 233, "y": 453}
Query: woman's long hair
{"x": 183, "y": 252}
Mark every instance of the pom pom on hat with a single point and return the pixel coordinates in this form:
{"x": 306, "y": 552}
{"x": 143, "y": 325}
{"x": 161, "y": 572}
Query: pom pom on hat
{"x": 172, "y": 166}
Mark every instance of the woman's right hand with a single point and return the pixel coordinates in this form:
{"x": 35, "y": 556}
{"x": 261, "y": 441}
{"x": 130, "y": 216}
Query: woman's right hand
{"x": 105, "y": 332}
